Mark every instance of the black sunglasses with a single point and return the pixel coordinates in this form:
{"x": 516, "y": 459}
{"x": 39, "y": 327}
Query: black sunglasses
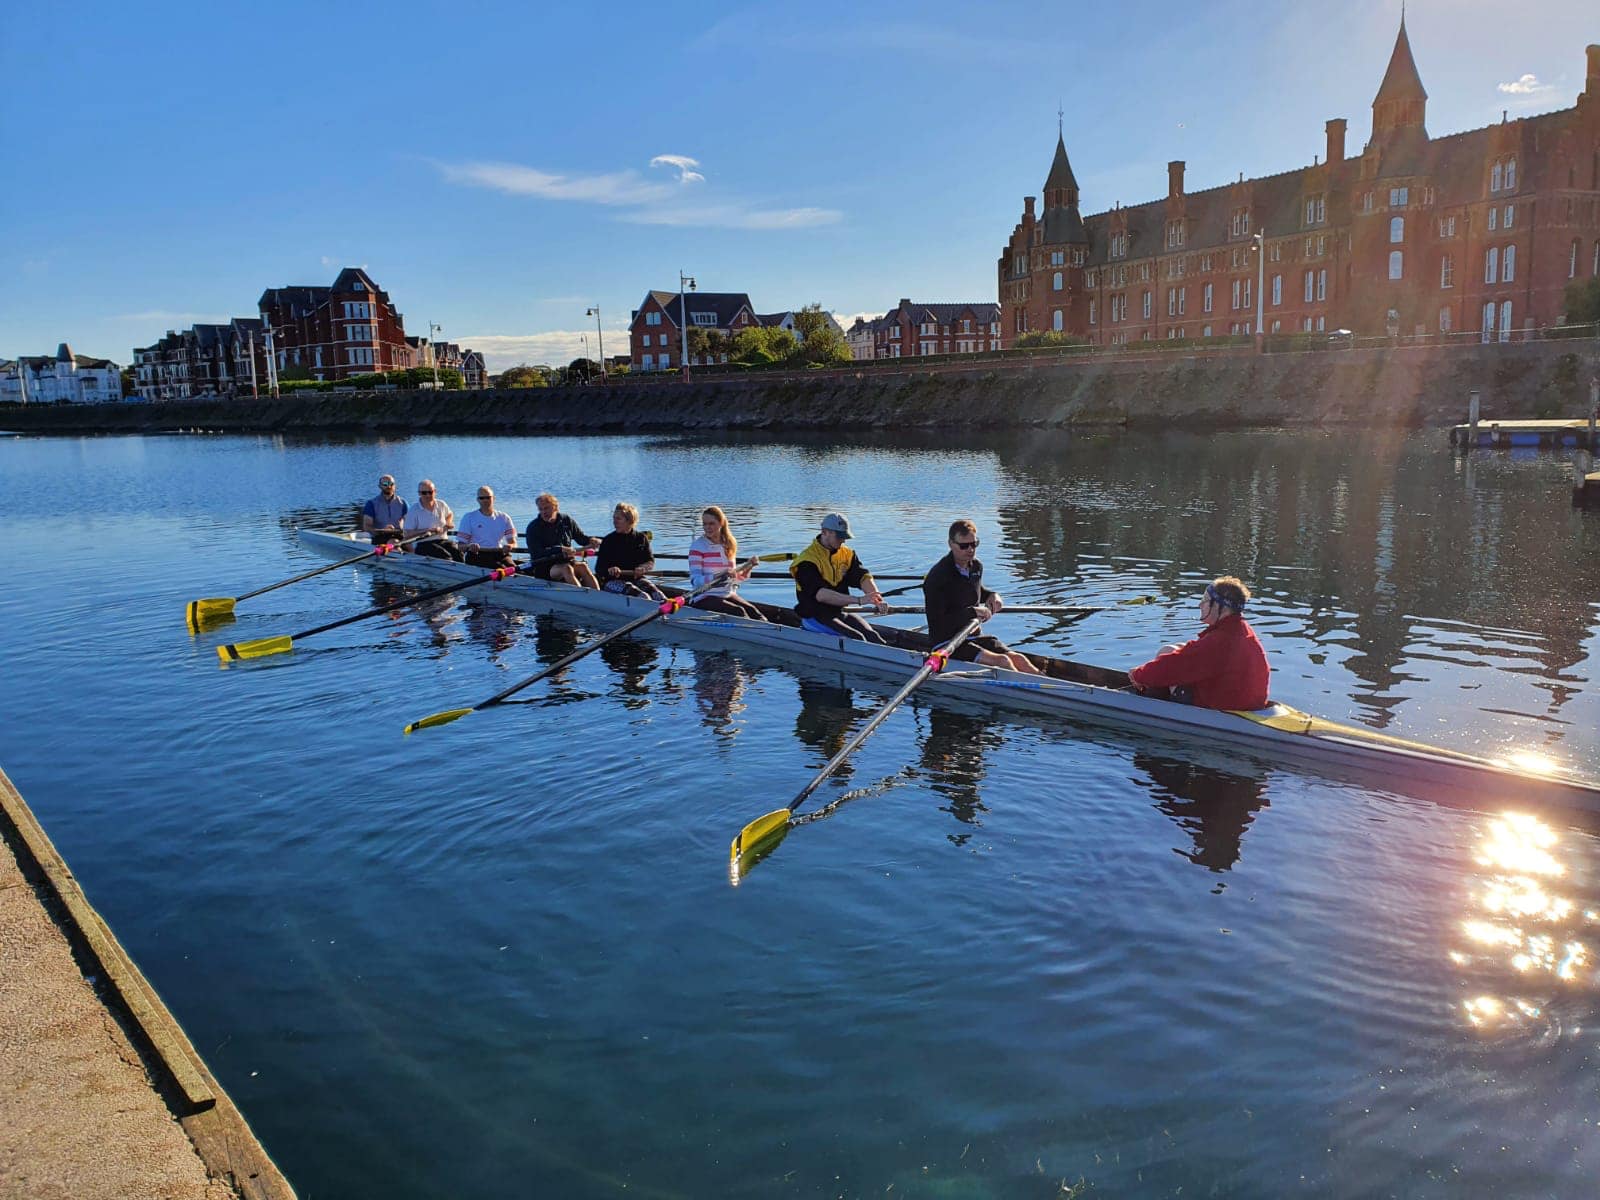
{"x": 972, "y": 545}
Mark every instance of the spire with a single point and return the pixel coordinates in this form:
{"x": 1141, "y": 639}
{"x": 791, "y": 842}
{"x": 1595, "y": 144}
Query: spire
{"x": 1060, "y": 176}
{"x": 1401, "y": 81}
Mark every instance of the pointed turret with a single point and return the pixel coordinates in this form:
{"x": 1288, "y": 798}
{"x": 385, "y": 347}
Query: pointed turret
{"x": 1402, "y": 101}
{"x": 1062, "y": 222}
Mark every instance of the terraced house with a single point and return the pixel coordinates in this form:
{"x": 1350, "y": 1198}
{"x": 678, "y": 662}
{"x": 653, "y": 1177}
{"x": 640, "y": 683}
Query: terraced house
{"x": 331, "y": 333}
{"x": 1473, "y": 234}
{"x": 204, "y": 360}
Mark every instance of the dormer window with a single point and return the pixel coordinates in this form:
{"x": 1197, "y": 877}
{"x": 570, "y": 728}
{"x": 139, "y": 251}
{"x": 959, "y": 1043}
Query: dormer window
{"x": 1316, "y": 210}
{"x": 1057, "y": 257}
{"x": 1174, "y": 234}
{"x": 1240, "y": 225}
{"x": 1399, "y": 197}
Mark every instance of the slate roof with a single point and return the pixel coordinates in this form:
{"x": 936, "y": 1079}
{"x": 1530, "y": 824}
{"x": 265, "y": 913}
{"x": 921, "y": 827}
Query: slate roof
{"x": 725, "y": 305}
{"x": 943, "y": 314}
{"x": 1060, "y": 169}
{"x": 1401, "y": 81}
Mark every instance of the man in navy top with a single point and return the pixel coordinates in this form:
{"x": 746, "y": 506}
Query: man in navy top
{"x": 381, "y": 516}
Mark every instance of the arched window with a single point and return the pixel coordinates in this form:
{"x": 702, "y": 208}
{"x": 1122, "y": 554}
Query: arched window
{"x": 1572, "y": 260}
{"x": 1056, "y": 281}
{"x": 1397, "y": 230}
{"x": 1508, "y": 270}
{"x": 1511, "y": 174}
{"x": 1488, "y": 321}
{"x": 1055, "y": 321}
{"x": 1496, "y": 178}
{"x": 1396, "y": 264}
{"x": 1491, "y": 264}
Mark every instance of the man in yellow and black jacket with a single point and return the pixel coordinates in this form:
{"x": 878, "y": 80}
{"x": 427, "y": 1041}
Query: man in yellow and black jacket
{"x": 823, "y": 572}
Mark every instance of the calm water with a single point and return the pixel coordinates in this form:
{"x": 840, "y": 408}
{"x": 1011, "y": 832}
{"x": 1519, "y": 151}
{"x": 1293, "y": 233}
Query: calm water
{"x": 504, "y": 959}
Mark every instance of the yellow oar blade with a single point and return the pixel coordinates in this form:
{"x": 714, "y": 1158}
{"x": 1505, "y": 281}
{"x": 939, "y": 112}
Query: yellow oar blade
{"x": 760, "y": 830}
{"x": 776, "y": 557}
{"x": 256, "y": 649}
{"x": 197, "y": 612}
{"x": 440, "y": 718}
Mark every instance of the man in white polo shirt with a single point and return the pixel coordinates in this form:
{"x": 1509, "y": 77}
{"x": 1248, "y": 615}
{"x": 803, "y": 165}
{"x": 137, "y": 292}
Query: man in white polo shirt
{"x": 487, "y": 534}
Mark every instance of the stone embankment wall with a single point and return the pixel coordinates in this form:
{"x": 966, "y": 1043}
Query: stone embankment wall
{"x": 1385, "y": 387}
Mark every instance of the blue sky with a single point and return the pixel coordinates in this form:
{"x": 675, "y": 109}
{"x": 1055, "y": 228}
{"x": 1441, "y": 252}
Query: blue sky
{"x": 501, "y": 167}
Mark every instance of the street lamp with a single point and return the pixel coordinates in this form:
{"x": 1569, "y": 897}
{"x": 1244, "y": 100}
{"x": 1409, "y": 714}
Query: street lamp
{"x": 599, "y": 338}
{"x": 433, "y": 332}
{"x": 1260, "y": 239}
{"x": 683, "y": 320}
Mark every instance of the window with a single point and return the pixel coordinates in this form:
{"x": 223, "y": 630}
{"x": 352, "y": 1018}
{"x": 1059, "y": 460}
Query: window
{"x": 1488, "y": 321}
{"x": 1205, "y": 262}
{"x": 1144, "y": 272}
{"x": 1172, "y": 302}
{"x": 1183, "y": 300}
{"x": 1511, "y": 175}
{"x": 1205, "y": 330}
{"x": 1444, "y": 320}
{"x": 1276, "y": 255}
{"x": 1366, "y": 202}
{"x": 1398, "y": 197}
{"x": 1055, "y": 320}
{"x": 1397, "y": 266}
{"x": 1595, "y": 269}
{"x": 1397, "y": 230}
{"x": 1322, "y": 284}
{"x": 1277, "y": 289}
{"x": 1491, "y": 264}
{"x": 1311, "y": 279}
{"x": 666, "y": 361}
{"x": 1305, "y": 325}
{"x": 1572, "y": 260}
{"x": 1119, "y": 245}
{"x": 1057, "y": 258}
{"x": 1146, "y": 304}
{"x": 1510, "y": 213}
{"x": 1236, "y": 293}
{"x": 1094, "y": 313}
{"x": 1447, "y": 271}
{"x": 1276, "y": 325}
{"x": 648, "y": 362}
{"x": 1174, "y": 234}
{"x": 707, "y": 320}
{"x": 652, "y": 318}
{"x": 1447, "y": 227}
{"x": 1246, "y": 293}
{"x": 1496, "y": 178}
{"x": 1241, "y": 222}
{"x": 1055, "y": 281}
{"x": 1316, "y": 210}
{"x": 1321, "y": 324}
{"x": 1091, "y": 278}
{"x": 1494, "y": 218}
{"x": 1505, "y": 321}
{"x": 1508, "y": 265}
{"x": 1322, "y": 244}
{"x": 1205, "y": 302}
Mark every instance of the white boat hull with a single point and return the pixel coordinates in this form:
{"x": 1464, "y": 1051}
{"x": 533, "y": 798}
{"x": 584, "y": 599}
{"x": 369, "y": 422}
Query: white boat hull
{"x": 1409, "y": 767}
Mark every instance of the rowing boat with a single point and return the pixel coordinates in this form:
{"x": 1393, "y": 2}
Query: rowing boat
{"x": 1067, "y": 689}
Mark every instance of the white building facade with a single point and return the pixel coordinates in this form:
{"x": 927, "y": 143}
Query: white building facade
{"x": 65, "y": 378}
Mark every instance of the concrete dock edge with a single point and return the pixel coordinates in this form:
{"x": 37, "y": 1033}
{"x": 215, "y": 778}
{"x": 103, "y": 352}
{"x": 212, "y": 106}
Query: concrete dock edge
{"x": 220, "y": 1135}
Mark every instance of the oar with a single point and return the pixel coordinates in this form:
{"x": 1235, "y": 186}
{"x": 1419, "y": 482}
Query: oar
{"x": 661, "y": 610}
{"x": 1010, "y": 608}
{"x": 196, "y": 612}
{"x": 763, "y": 829}
{"x": 784, "y": 575}
{"x": 280, "y": 645}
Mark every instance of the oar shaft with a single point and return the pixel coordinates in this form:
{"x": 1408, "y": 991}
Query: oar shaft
{"x": 403, "y": 603}
{"x": 375, "y": 551}
{"x": 934, "y": 663}
{"x": 1010, "y": 608}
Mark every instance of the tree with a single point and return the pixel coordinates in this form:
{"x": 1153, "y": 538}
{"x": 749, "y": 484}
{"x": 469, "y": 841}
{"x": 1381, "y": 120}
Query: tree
{"x": 128, "y": 385}
{"x": 523, "y": 376}
{"x": 758, "y": 345}
{"x": 821, "y": 343}
{"x": 699, "y": 343}
{"x": 581, "y": 370}
{"x": 1583, "y": 302}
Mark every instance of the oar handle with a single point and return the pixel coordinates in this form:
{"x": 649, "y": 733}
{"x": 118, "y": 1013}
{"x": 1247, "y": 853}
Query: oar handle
{"x": 934, "y": 663}
{"x": 492, "y": 576}
{"x": 373, "y": 552}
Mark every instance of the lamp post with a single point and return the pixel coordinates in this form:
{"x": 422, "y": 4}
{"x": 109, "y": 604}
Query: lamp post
{"x": 600, "y": 341}
{"x": 683, "y": 320}
{"x": 272, "y": 358}
{"x": 433, "y": 347}
{"x": 1260, "y": 239}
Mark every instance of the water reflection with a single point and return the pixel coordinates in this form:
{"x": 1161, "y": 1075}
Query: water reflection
{"x": 632, "y": 659}
{"x": 1525, "y": 915}
{"x": 1214, "y": 807}
{"x": 827, "y": 712}
{"x": 719, "y": 683}
{"x": 952, "y": 758}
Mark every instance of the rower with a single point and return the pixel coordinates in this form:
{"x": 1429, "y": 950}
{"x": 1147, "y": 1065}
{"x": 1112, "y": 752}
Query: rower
{"x": 714, "y": 553}
{"x": 554, "y": 540}
{"x": 823, "y": 572}
{"x": 953, "y": 594}
{"x": 381, "y": 516}
{"x": 487, "y": 535}
{"x": 1225, "y": 667}
{"x": 431, "y": 515}
{"x": 625, "y": 560}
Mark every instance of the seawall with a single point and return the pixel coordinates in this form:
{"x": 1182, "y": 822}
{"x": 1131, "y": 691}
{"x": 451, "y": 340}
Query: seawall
{"x": 1371, "y": 387}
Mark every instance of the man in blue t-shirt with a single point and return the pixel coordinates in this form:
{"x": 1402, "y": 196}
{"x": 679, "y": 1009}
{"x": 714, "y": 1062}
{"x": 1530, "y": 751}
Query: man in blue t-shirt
{"x": 381, "y": 516}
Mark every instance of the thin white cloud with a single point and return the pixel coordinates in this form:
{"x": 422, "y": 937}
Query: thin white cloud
{"x": 1526, "y": 85}
{"x": 644, "y": 202}
{"x": 170, "y": 317}
{"x": 554, "y": 347}
{"x": 684, "y": 164}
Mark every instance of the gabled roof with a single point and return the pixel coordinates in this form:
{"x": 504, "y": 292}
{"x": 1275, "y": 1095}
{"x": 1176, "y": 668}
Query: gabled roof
{"x": 1060, "y": 169}
{"x": 724, "y": 305}
{"x": 941, "y": 314}
{"x": 1401, "y": 81}
{"x": 353, "y": 279}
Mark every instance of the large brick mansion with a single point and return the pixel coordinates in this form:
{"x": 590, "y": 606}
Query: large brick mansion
{"x": 1478, "y": 231}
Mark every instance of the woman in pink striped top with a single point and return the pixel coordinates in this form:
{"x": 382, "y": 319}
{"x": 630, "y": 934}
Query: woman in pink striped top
{"x": 712, "y": 554}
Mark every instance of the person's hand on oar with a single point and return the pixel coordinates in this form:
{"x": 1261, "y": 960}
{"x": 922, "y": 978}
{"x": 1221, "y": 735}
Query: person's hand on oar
{"x": 197, "y": 612}
{"x": 666, "y": 608}
{"x": 282, "y": 644}
{"x": 753, "y": 837}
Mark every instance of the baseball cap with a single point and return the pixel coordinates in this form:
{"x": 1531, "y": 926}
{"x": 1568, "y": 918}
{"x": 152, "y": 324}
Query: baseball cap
{"x": 836, "y": 523}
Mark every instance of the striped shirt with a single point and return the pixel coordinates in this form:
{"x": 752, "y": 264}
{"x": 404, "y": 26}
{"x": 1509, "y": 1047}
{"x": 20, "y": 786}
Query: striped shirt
{"x": 707, "y": 560}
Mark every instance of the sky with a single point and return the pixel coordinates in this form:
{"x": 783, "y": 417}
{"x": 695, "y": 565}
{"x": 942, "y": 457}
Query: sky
{"x": 501, "y": 168}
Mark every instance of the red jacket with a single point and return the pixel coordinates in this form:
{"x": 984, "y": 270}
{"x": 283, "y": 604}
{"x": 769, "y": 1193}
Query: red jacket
{"x": 1225, "y": 666}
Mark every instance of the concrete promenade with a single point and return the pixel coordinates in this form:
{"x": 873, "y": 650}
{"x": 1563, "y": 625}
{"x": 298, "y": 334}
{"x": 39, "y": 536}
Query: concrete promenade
{"x": 102, "y": 1095}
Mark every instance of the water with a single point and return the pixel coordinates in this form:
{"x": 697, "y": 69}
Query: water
{"x": 504, "y": 959}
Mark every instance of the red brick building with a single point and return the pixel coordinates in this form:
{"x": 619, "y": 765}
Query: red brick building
{"x": 655, "y": 334}
{"x": 909, "y": 329}
{"x": 1477, "y": 232}
{"x": 335, "y": 332}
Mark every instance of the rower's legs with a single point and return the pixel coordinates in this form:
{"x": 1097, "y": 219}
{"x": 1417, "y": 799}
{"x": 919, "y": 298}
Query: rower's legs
{"x": 1010, "y": 660}
{"x": 561, "y": 573}
{"x": 585, "y": 577}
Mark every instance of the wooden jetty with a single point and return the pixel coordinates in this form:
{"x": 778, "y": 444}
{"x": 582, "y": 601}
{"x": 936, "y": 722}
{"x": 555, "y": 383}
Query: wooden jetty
{"x": 1577, "y": 432}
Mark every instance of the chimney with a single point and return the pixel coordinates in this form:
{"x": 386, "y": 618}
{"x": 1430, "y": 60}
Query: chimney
{"x": 1027, "y": 207}
{"x": 1175, "y": 177}
{"x": 1593, "y": 82}
{"x": 1336, "y": 129}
